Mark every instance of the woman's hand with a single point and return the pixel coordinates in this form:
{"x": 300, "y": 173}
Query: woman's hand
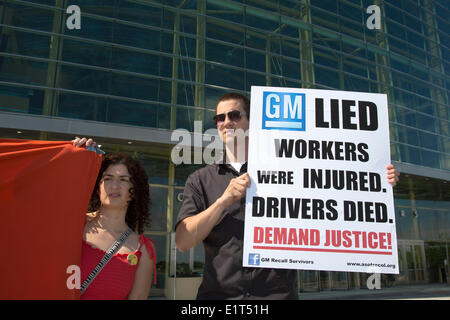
{"x": 83, "y": 142}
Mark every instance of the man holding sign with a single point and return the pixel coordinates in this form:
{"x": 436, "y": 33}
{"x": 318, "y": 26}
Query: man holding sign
{"x": 213, "y": 211}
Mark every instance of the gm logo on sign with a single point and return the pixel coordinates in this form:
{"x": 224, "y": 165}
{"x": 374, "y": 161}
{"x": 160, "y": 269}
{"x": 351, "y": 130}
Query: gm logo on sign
{"x": 283, "y": 111}
{"x": 253, "y": 259}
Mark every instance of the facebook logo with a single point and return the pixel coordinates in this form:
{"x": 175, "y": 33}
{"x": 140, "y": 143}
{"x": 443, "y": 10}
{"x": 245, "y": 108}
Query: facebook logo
{"x": 253, "y": 259}
{"x": 283, "y": 111}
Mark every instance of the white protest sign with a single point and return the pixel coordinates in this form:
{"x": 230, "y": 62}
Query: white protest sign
{"x": 319, "y": 197}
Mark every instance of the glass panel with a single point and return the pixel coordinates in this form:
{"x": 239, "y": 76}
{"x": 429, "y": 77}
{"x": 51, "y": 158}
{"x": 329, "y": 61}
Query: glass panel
{"x": 363, "y": 279}
{"x": 419, "y": 265}
{"x": 184, "y": 4}
{"x": 325, "y": 58}
{"x": 339, "y": 280}
{"x": 19, "y": 99}
{"x": 133, "y": 113}
{"x": 185, "y": 118}
{"x": 182, "y": 172}
{"x": 82, "y": 107}
{"x": 48, "y": 2}
{"x": 95, "y": 29}
{"x": 426, "y": 123}
{"x": 136, "y": 37}
{"x": 30, "y": 17}
{"x": 262, "y": 19}
{"x": 165, "y": 91}
{"x": 255, "y": 60}
{"x": 436, "y": 256}
{"x": 224, "y": 54}
{"x": 403, "y": 218}
{"x": 94, "y": 54}
{"x": 291, "y": 69}
{"x": 221, "y": 30}
{"x": 167, "y": 19}
{"x": 430, "y": 159}
{"x": 325, "y": 280}
{"x": 355, "y": 51}
{"x": 398, "y": 46}
{"x": 182, "y": 264}
{"x": 208, "y": 120}
{"x": 124, "y": 85}
{"x": 353, "y": 29}
{"x": 408, "y": 135}
{"x": 212, "y": 95}
{"x": 167, "y": 42}
{"x": 401, "y": 266}
{"x": 190, "y": 263}
{"x": 256, "y": 40}
{"x": 308, "y": 279}
{"x": 354, "y": 66}
{"x": 188, "y": 24}
{"x": 417, "y": 54}
{"x": 139, "y": 13}
{"x": 24, "y": 71}
{"x": 276, "y": 65}
{"x": 327, "y": 77}
{"x": 178, "y": 195}
{"x": 353, "y": 280}
{"x": 355, "y": 84}
{"x": 323, "y": 18}
{"x": 255, "y": 79}
{"x": 289, "y": 27}
{"x": 395, "y": 29}
{"x": 410, "y": 262}
{"x": 414, "y": 155}
{"x": 224, "y": 77}
{"x": 29, "y": 44}
{"x": 268, "y": 6}
{"x": 290, "y": 49}
{"x": 82, "y": 79}
{"x": 187, "y": 46}
{"x": 350, "y": 12}
{"x": 199, "y": 259}
{"x": 186, "y": 94}
{"x": 226, "y": 11}
{"x": 157, "y": 170}
{"x": 99, "y": 7}
{"x": 160, "y": 248}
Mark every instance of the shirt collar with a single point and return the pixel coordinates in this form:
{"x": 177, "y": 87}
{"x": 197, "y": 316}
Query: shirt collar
{"x": 228, "y": 167}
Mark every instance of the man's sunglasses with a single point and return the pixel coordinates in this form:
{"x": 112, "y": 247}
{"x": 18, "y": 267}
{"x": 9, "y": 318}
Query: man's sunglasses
{"x": 234, "y": 115}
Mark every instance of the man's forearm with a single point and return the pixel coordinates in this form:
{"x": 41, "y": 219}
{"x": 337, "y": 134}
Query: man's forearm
{"x": 193, "y": 230}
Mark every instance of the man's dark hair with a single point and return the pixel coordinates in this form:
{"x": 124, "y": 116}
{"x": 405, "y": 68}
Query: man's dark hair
{"x": 237, "y": 96}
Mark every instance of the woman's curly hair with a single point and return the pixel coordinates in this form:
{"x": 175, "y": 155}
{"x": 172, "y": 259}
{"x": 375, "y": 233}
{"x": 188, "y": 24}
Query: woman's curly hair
{"x": 138, "y": 211}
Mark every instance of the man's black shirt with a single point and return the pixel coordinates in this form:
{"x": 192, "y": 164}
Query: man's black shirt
{"x": 224, "y": 276}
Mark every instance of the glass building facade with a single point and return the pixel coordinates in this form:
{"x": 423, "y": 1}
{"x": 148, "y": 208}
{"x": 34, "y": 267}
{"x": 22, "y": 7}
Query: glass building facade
{"x": 136, "y": 70}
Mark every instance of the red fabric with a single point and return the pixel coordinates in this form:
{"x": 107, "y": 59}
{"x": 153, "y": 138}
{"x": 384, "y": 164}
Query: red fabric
{"x": 115, "y": 280}
{"x": 45, "y": 187}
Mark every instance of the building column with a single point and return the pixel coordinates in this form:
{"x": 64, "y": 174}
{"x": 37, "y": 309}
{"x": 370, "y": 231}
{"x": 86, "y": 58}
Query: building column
{"x": 268, "y": 63}
{"x": 305, "y": 46}
{"x": 50, "y": 107}
{"x": 199, "y": 99}
{"x": 435, "y": 63}
{"x": 384, "y": 77}
{"x": 175, "y": 66}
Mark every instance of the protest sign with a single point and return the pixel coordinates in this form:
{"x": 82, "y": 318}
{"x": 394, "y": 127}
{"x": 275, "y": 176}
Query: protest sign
{"x": 319, "y": 197}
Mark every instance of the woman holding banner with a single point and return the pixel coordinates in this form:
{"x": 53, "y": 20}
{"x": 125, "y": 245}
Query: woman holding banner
{"x": 119, "y": 208}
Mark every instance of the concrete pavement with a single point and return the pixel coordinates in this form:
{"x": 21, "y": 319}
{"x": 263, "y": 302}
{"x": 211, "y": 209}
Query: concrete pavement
{"x": 403, "y": 292}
